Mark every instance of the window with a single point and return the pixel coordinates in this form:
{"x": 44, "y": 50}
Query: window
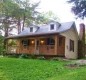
{"x": 50, "y": 41}
{"x": 25, "y": 42}
{"x": 31, "y": 29}
{"x": 71, "y": 45}
{"x": 60, "y": 41}
{"x": 51, "y": 26}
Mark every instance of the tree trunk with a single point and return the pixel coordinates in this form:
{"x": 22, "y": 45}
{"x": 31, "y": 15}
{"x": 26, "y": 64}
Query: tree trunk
{"x": 19, "y": 26}
{"x": 6, "y": 26}
{"x": 23, "y": 23}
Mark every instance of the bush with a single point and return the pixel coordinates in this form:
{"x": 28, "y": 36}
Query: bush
{"x": 41, "y": 57}
{"x": 23, "y": 56}
{"x": 12, "y": 42}
{"x": 12, "y": 55}
{"x": 2, "y": 48}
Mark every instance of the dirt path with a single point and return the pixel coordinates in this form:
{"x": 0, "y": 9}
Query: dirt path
{"x": 81, "y": 62}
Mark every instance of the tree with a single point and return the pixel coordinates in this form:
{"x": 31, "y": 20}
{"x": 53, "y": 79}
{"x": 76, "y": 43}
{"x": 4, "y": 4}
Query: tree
{"x": 16, "y": 12}
{"x": 78, "y": 8}
{"x": 43, "y": 18}
{"x": 27, "y": 12}
{"x": 6, "y": 9}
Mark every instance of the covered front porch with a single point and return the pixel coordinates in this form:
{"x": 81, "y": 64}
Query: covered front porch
{"x": 53, "y": 45}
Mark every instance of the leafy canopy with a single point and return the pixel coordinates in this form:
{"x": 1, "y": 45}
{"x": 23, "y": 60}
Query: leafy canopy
{"x": 78, "y": 8}
{"x": 43, "y": 18}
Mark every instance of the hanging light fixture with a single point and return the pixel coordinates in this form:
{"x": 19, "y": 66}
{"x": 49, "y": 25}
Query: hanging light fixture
{"x": 42, "y": 41}
{"x": 32, "y": 42}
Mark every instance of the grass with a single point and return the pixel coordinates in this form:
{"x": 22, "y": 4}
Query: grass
{"x": 33, "y": 69}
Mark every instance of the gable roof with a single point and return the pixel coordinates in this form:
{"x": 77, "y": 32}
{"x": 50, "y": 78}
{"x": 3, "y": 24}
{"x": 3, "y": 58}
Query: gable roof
{"x": 41, "y": 30}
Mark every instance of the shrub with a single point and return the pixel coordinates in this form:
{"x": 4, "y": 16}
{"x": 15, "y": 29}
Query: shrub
{"x": 2, "y": 48}
{"x": 11, "y": 42}
{"x": 41, "y": 57}
{"x": 23, "y": 56}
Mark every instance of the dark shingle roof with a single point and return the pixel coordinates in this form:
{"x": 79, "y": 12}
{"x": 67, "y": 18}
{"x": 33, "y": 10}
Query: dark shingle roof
{"x": 45, "y": 30}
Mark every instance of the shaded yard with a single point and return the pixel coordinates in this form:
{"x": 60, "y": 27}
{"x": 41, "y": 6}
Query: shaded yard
{"x": 33, "y": 69}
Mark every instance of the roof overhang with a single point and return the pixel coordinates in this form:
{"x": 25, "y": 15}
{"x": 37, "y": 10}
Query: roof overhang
{"x": 43, "y": 34}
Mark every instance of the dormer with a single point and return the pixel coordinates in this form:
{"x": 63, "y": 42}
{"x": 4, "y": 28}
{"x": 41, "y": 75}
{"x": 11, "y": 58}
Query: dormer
{"x": 33, "y": 29}
{"x": 53, "y": 26}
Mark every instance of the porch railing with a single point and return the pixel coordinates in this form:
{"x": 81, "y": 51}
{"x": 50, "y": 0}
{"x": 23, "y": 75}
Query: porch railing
{"x": 12, "y": 49}
{"x": 17, "y": 49}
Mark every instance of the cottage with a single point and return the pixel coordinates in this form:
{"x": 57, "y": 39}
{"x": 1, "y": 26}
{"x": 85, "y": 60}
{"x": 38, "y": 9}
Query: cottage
{"x": 52, "y": 39}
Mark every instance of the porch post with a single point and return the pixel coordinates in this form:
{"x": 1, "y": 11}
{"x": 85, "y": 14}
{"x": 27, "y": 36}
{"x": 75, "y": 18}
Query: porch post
{"x": 56, "y": 44}
{"x": 35, "y": 45}
{"x": 6, "y": 46}
{"x": 18, "y": 46}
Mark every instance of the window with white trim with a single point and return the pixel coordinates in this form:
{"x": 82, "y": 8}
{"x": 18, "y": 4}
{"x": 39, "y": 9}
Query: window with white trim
{"x": 52, "y": 27}
{"x": 71, "y": 45}
{"x": 31, "y": 29}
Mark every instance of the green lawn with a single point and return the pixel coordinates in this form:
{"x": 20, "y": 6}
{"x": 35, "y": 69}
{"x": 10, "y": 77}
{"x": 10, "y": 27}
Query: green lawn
{"x": 33, "y": 69}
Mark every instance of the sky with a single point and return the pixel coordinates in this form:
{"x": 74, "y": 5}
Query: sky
{"x": 60, "y": 8}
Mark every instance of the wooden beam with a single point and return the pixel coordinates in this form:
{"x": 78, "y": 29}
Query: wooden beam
{"x": 19, "y": 45}
{"x": 6, "y": 46}
{"x": 56, "y": 44}
{"x": 35, "y": 46}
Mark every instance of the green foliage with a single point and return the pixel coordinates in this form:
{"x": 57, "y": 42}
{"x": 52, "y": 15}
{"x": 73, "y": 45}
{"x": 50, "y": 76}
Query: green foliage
{"x": 7, "y": 7}
{"x": 26, "y": 12}
{"x": 78, "y": 8}
{"x": 28, "y": 69}
{"x": 12, "y": 42}
{"x": 23, "y": 56}
{"x": 15, "y": 12}
{"x": 2, "y": 49}
{"x": 43, "y": 18}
